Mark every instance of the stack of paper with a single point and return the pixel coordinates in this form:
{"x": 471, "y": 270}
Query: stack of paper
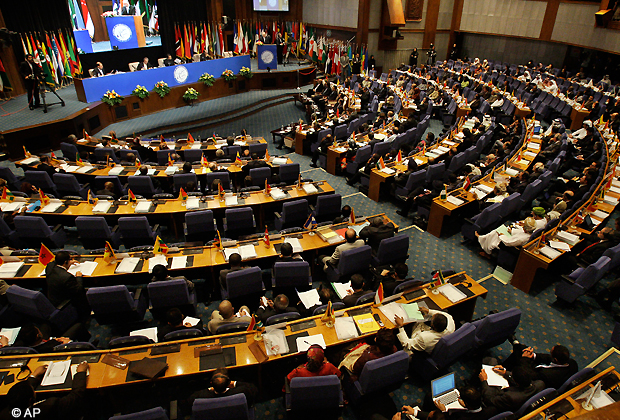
{"x": 10, "y": 334}
{"x": 143, "y": 207}
{"x": 309, "y": 188}
{"x": 309, "y": 298}
{"x": 56, "y": 373}
{"x": 102, "y": 207}
{"x": 191, "y": 320}
{"x": 413, "y": 310}
{"x": 484, "y": 188}
{"x": 275, "y": 342}
{"x": 279, "y": 161}
{"x": 11, "y": 207}
{"x": 277, "y": 194}
{"x": 393, "y": 309}
{"x": 610, "y": 200}
{"x": 549, "y": 252}
{"x": 146, "y": 332}
{"x": 600, "y": 214}
{"x": 52, "y": 206}
{"x": 192, "y": 203}
{"x": 171, "y": 170}
{"x": 297, "y": 248}
{"x": 452, "y": 293}
{"x": 345, "y": 328}
{"x": 159, "y": 259}
{"x": 84, "y": 169}
{"x": 116, "y": 170}
{"x": 453, "y": 200}
{"x": 562, "y": 246}
{"x": 532, "y": 145}
{"x": 388, "y": 171}
{"x": 86, "y": 268}
{"x": 30, "y": 160}
{"x": 179, "y": 262}
{"x": 342, "y": 289}
{"x": 9, "y": 269}
{"x": 304, "y": 343}
{"x": 512, "y": 172}
{"x": 569, "y": 238}
{"x": 493, "y": 378}
{"x": 247, "y": 252}
{"x": 127, "y": 265}
{"x": 231, "y": 200}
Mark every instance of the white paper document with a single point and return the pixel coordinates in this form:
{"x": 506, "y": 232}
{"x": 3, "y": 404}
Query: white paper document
{"x": 247, "y": 252}
{"x": 277, "y": 194}
{"x": 146, "y": 332}
{"x": 71, "y": 168}
{"x": 84, "y": 169}
{"x": 535, "y": 146}
{"x": 30, "y": 160}
{"x": 342, "y": 288}
{"x": 484, "y": 188}
{"x": 452, "y": 293}
{"x": 562, "y": 246}
{"x": 512, "y": 172}
{"x": 191, "y": 320}
{"x": 192, "y": 203}
{"x": 309, "y": 188}
{"x": 8, "y": 270}
{"x": 231, "y": 200}
{"x": 297, "y": 248}
{"x": 11, "y": 207}
{"x": 51, "y": 207}
{"x": 102, "y": 207}
{"x": 279, "y": 161}
{"x": 56, "y": 373}
{"x": 345, "y": 328}
{"x": 309, "y": 298}
{"x": 171, "y": 170}
{"x": 304, "y": 343}
{"x": 388, "y": 171}
{"x": 392, "y": 309}
{"x": 453, "y": 200}
{"x": 493, "y": 378}
{"x": 86, "y": 268}
{"x": 179, "y": 262}
{"x": 569, "y": 238}
{"x": 116, "y": 170}
{"x": 127, "y": 265}
{"x": 143, "y": 207}
{"x": 159, "y": 259}
{"x": 11, "y": 333}
{"x": 549, "y": 252}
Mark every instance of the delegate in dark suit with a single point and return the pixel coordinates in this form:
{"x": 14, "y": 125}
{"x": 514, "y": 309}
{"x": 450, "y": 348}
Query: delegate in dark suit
{"x": 70, "y": 406}
{"x": 253, "y": 164}
{"x": 376, "y": 232}
{"x": 278, "y": 306}
{"x": 553, "y": 368}
{"x": 31, "y": 72}
{"x": 63, "y": 286}
{"x": 520, "y": 389}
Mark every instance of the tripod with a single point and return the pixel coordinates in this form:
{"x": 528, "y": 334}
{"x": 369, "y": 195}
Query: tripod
{"x": 44, "y": 87}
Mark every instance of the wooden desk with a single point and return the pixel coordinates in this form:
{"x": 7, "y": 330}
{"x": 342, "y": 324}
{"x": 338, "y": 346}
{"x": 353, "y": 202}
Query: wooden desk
{"x": 577, "y": 411}
{"x": 183, "y": 364}
{"x": 577, "y": 117}
{"x": 334, "y": 156}
{"x": 462, "y": 111}
{"x": 522, "y": 112}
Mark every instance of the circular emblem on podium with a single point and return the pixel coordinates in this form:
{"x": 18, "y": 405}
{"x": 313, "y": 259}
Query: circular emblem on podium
{"x": 180, "y": 74}
{"x": 266, "y": 56}
{"x": 273, "y": 3}
{"x": 122, "y": 32}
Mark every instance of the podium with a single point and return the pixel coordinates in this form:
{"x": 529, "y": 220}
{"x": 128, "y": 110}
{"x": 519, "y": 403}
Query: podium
{"x": 125, "y": 32}
{"x": 83, "y": 41}
{"x": 267, "y": 56}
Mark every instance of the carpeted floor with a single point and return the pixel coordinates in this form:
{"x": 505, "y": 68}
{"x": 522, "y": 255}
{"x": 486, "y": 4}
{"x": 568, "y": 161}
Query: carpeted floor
{"x": 583, "y": 327}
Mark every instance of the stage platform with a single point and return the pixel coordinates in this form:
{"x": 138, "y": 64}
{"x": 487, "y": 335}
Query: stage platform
{"x": 42, "y": 132}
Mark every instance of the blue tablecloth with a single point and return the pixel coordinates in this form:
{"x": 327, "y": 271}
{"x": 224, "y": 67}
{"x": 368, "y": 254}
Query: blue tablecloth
{"x": 125, "y": 83}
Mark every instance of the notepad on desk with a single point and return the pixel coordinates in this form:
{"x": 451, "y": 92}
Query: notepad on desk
{"x": 610, "y": 200}
{"x": 56, "y": 373}
{"x": 178, "y": 262}
{"x": 549, "y": 252}
{"x": 366, "y": 323}
{"x": 511, "y": 172}
{"x": 451, "y": 293}
{"x": 345, "y": 328}
{"x": 562, "y": 246}
{"x": 231, "y": 200}
{"x": 245, "y": 251}
{"x": 388, "y": 171}
{"x": 116, "y": 170}
{"x": 143, "y": 207}
{"x": 127, "y": 265}
{"x": 279, "y": 161}
{"x": 535, "y": 146}
{"x": 304, "y": 343}
{"x": 454, "y": 201}
{"x": 494, "y": 378}
{"x": 159, "y": 259}
{"x": 567, "y": 237}
{"x": 10, "y": 269}
{"x": 86, "y": 268}
{"x": 297, "y": 248}
{"x": 277, "y": 194}
{"x": 413, "y": 310}
{"x": 102, "y": 206}
{"x": 30, "y": 160}
{"x": 309, "y": 188}
{"x": 52, "y": 206}
{"x": 600, "y": 214}
{"x": 393, "y": 309}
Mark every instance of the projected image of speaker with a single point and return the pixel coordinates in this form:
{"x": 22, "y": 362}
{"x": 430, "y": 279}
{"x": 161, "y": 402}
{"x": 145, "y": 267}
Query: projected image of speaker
{"x": 271, "y": 5}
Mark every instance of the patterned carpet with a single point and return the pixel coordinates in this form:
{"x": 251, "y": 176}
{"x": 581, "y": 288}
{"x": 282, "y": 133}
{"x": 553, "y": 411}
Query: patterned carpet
{"x": 583, "y": 327}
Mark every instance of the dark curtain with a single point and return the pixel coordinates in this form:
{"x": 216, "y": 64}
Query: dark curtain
{"x": 35, "y": 15}
{"x": 171, "y": 11}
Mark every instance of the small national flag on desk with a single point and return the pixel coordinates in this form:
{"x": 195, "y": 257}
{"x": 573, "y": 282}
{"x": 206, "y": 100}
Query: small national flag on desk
{"x": 220, "y": 190}
{"x": 379, "y": 295}
{"x": 108, "y": 253}
{"x": 519, "y": 158}
{"x": 7, "y": 195}
{"x": 131, "y": 196}
{"x": 328, "y": 316}
{"x": 399, "y": 157}
{"x": 85, "y": 135}
{"x": 267, "y": 156}
{"x": 45, "y": 255}
{"x": 203, "y": 161}
{"x": 310, "y": 222}
{"x": 217, "y": 241}
{"x": 352, "y": 217}
{"x": 438, "y": 279}
{"x": 45, "y": 200}
{"x": 160, "y": 247}
{"x": 267, "y": 243}
{"x": 182, "y": 194}
{"x": 92, "y": 198}
{"x": 170, "y": 160}
{"x": 337, "y": 112}
{"x": 381, "y": 163}
{"x": 238, "y": 160}
{"x": 190, "y": 139}
{"x": 26, "y": 152}
{"x": 78, "y": 160}
{"x": 138, "y": 163}
{"x": 267, "y": 187}
{"x": 53, "y": 156}
{"x": 252, "y": 325}
{"x": 467, "y": 184}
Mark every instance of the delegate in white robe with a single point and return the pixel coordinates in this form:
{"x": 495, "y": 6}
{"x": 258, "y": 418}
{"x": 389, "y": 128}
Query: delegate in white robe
{"x": 491, "y": 240}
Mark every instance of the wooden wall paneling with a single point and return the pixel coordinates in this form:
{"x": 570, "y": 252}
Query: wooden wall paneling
{"x": 11, "y": 66}
{"x": 549, "y": 20}
{"x": 455, "y": 25}
{"x": 430, "y": 26}
{"x": 363, "y": 18}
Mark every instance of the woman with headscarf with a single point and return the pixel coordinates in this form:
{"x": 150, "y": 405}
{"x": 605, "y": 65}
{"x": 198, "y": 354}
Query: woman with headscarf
{"x": 316, "y": 365}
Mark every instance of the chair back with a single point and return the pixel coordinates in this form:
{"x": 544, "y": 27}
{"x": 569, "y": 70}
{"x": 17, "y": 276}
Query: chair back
{"x": 28, "y": 302}
{"x": 452, "y": 346}
{"x": 17, "y": 350}
{"x": 141, "y": 185}
{"x": 162, "y": 156}
{"x": 192, "y": 155}
{"x": 200, "y": 223}
{"x": 384, "y": 372}
{"x": 285, "y": 317}
{"x": 289, "y": 173}
{"x": 391, "y": 250}
{"x": 259, "y": 175}
{"x": 110, "y": 299}
{"x": 129, "y": 341}
{"x": 156, "y": 413}
{"x": 66, "y": 184}
{"x": 292, "y": 274}
{"x": 94, "y": 230}
{"x": 169, "y": 293}
{"x": 494, "y": 329}
{"x": 294, "y": 213}
{"x": 232, "y": 327}
{"x": 75, "y": 347}
{"x": 69, "y": 151}
{"x": 409, "y": 284}
{"x": 101, "y": 154}
{"x": 321, "y": 309}
{"x": 100, "y": 180}
{"x": 183, "y": 334}
{"x": 309, "y": 393}
{"x": 223, "y": 176}
{"x": 435, "y": 171}
{"x": 244, "y": 282}
{"x": 41, "y": 180}
{"x": 576, "y": 379}
{"x": 181, "y": 181}
{"x": 327, "y": 207}
{"x": 535, "y": 401}
{"x": 31, "y": 227}
{"x": 355, "y": 260}
{"x": 238, "y": 219}
{"x": 258, "y": 148}
{"x": 233, "y": 407}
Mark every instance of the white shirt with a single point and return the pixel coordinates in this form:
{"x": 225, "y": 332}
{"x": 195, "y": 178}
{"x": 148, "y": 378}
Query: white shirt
{"x": 423, "y": 338}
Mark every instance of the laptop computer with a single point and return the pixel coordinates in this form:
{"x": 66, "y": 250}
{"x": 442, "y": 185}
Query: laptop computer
{"x": 444, "y": 390}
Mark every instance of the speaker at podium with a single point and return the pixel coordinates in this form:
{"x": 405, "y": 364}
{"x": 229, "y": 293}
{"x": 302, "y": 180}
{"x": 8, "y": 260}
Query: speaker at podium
{"x": 125, "y": 32}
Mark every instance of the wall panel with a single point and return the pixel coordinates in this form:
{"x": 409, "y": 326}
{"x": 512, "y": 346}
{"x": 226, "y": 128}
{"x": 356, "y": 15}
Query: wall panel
{"x": 574, "y": 24}
{"x": 504, "y": 17}
{"x": 328, "y": 12}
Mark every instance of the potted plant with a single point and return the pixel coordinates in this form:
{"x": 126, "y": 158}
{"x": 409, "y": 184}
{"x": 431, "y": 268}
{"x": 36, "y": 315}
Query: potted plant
{"x": 207, "y": 79}
{"x": 141, "y": 92}
{"x": 161, "y": 88}
{"x": 112, "y": 98}
{"x": 190, "y": 95}
{"x": 246, "y": 72}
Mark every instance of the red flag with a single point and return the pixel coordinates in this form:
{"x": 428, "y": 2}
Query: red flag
{"x": 217, "y": 241}
{"x": 267, "y": 187}
{"x": 45, "y": 255}
{"x": 45, "y": 200}
{"x": 352, "y": 217}
{"x": 399, "y": 157}
{"x": 467, "y": 184}
{"x": 182, "y": 194}
{"x": 220, "y": 190}
{"x": 379, "y": 295}
{"x": 252, "y": 325}
{"x": 381, "y": 163}
{"x": 131, "y": 196}
{"x": 267, "y": 243}
{"x": 190, "y": 138}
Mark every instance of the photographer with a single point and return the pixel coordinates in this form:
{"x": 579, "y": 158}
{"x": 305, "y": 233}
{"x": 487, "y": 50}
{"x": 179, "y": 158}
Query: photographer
{"x": 31, "y": 72}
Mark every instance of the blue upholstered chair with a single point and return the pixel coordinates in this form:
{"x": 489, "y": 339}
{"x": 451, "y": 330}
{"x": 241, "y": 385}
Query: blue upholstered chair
{"x": 232, "y": 327}
{"x": 494, "y": 329}
{"x": 75, "y": 347}
{"x": 285, "y": 317}
{"x": 392, "y": 250}
{"x": 581, "y": 280}
{"x": 67, "y": 184}
{"x": 35, "y": 305}
{"x": 136, "y": 231}
{"x": 100, "y": 180}
{"x": 239, "y": 221}
{"x": 32, "y": 231}
{"x": 101, "y": 154}
{"x": 181, "y": 181}
{"x": 115, "y": 304}
{"x": 311, "y": 394}
{"x": 321, "y": 309}
{"x": 167, "y": 294}
{"x": 142, "y": 185}
{"x": 41, "y": 180}
{"x": 243, "y": 283}
{"x": 69, "y": 151}
{"x": 292, "y": 275}
{"x": 94, "y": 232}
{"x": 156, "y": 413}
{"x": 233, "y": 407}
{"x": 183, "y": 334}
{"x": 199, "y": 226}
{"x": 535, "y": 401}
{"x": 294, "y": 214}
{"x": 327, "y": 207}
{"x": 351, "y": 261}
{"x": 259, "y": 175}
{"x": 129, "y": 341}
{"x": 289, "y": 173}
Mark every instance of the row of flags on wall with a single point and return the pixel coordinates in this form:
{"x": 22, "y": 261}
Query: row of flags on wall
{"x": 55, "y": 52}
{"x": 197, "y": 38}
